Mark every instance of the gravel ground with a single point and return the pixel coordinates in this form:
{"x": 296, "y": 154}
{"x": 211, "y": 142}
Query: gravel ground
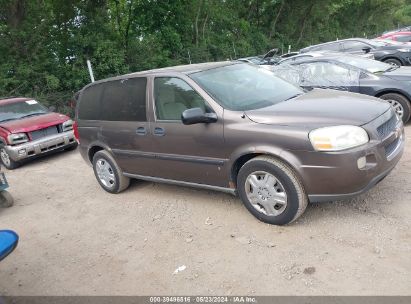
{"x": 77, "y": 239}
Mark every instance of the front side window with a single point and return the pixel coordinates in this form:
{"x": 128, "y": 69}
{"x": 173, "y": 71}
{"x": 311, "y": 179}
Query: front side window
{"x": 21, "y": 109}
{"x": 173, "y": 96}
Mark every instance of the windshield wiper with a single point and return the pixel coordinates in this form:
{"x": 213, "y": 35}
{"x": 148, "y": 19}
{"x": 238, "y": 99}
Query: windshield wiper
{"x": 32, "y": 114}
{"x": 393, "y": 68}
{"x": 8, "y": 119}
{"x": 294, "y": 96}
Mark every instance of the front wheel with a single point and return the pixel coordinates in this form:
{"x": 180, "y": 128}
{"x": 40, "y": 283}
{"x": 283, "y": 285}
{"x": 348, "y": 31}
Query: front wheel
{"x": 271, "y": 191}
{"x": 7, "y": 161}
{"x": 393, "y": 61}
{"x": 108, "y": 173}
{"x": 6, "y": 200}
{"x": 400, "y": 104}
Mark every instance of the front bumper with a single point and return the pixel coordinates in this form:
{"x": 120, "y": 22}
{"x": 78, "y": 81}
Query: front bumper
{"x": 41, "y": 146}
{"x": 331, "y": 176}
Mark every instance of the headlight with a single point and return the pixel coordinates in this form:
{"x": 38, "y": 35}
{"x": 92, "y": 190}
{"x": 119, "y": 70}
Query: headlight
{"x": 404, "y": 50}
{"x": 67, "y": 125}
{"x": 18, "y": 138}
{"x": 338, "y": 138}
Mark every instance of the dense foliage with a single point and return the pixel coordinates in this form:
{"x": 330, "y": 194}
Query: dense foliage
{"x": 44, "y": 44}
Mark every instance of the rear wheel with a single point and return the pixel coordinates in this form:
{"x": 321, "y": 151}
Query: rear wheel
{"x": 393, "y": 61}
{"x": 400, "y": 104}
{"x": 271, "y": 191}
{"x": 6, "y": 160}
{"x": 108, "y": 173}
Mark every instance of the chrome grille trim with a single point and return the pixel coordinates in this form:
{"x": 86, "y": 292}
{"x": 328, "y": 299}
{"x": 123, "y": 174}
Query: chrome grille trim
{"x": 387, "y": 127}
{"x": 38, "y": 134}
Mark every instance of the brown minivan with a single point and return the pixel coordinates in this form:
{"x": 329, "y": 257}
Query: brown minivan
{"x": 237, "y": 128}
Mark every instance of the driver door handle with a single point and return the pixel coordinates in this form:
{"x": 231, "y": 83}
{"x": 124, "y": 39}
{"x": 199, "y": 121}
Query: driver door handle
{"x": 141, "y": 131}
{"x": 159, "y": 131}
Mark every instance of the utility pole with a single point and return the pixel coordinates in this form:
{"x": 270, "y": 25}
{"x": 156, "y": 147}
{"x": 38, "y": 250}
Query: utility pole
{"x": 90, "y": 70}
{"x": 189, "y": 57}
{"x": 235, "y": 53}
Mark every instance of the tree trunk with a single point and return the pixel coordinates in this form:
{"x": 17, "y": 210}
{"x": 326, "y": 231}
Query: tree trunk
{"x": 204, "y": 26}
{"x": 304, "y": 23}
{"x": 272, "y": 31}
{"x": 16, "y": 13}
{"x": 196, "y": 22}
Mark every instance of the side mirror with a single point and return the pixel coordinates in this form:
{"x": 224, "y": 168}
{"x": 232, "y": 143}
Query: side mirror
{"x": 197, "y": 115}
{"x": 52, "y": 108}
{"x": 367, "y": 49}
{"x": 8, "y": 242}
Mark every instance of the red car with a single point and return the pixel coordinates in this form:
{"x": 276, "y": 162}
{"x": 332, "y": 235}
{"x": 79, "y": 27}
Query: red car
{"x": 28, "y": 129}
{"x": 397, "y": 36}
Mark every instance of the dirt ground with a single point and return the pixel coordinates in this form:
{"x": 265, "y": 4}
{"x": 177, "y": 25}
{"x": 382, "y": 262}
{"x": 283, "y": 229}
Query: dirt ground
{"x": 76, "y": 239}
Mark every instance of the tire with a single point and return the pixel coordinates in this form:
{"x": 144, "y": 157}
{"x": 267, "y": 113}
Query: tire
{"x": 286, "y": 182}
{"x": 111, "y": 177}
{"x": 393, "y": 61}
{"x": 400, "y": 103}
{"x": 6, "y": 160}
{"x": 6, "y": 200}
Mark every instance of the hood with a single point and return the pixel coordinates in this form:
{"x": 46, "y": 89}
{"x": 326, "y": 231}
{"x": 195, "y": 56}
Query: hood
{"x": 402, "y": 73}
{"x": 34, "y": 123}
{"x": 322, "y": 108}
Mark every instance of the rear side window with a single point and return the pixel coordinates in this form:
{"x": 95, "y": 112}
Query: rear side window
{"x": 352, "y": 46}
{"x": 328, "y": 47}
{"x": 119, "y": 100}
{"x": 89, "y": 106}
{"x": 124, "y": 100}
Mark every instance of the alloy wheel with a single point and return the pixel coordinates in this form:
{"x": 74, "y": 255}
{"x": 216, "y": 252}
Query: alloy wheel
{"x": 5, "y": 158}
{"x": 398, "y": 108}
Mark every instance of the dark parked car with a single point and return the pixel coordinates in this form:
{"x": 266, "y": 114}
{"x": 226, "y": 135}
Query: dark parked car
{"x": 354, "y": 74}
{"x": 237, "y": 128}
{"x": 394, "y": 54}
{"x": 269, "y": 58}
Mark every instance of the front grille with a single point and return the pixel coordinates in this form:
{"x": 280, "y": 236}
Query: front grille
{"x": 387, "y": 127}
{"x": 44, "y": 132}
{"x": 391, "y": 147}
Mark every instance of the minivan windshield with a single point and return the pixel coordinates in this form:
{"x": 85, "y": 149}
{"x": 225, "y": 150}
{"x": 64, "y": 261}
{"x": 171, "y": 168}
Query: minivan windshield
{"x": 21, "y": 109}
{"x": 242, "y": 87}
